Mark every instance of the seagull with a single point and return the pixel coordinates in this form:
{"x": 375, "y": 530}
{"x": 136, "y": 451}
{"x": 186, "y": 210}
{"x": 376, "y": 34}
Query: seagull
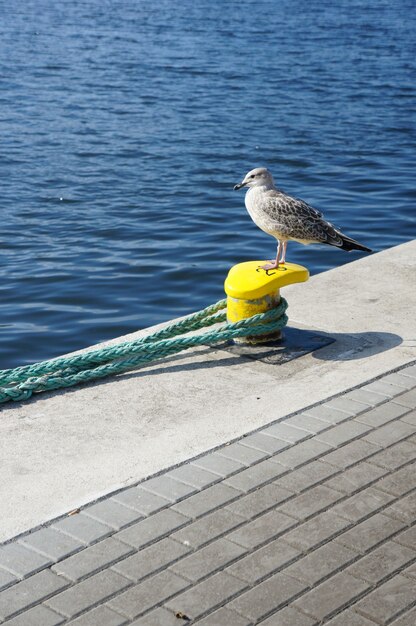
{"x": 287, "y": 218}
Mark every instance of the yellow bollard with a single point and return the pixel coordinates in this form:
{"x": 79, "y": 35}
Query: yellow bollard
{"x": 252, "y": 290}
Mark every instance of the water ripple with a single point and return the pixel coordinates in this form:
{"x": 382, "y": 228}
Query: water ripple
{"x": 124, "y": 129}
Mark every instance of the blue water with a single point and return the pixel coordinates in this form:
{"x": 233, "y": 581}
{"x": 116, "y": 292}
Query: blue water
{"x": 124, "y": 125}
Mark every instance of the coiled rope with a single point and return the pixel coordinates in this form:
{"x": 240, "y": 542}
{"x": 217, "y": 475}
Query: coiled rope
{"x": 20, "y": 383}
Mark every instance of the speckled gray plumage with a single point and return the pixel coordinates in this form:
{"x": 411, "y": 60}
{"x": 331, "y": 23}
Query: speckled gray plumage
{"x": 290, "y": 218}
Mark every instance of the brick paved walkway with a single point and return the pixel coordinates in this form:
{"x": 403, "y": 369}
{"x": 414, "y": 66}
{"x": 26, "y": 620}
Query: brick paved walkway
{"x": 311, "y": 520}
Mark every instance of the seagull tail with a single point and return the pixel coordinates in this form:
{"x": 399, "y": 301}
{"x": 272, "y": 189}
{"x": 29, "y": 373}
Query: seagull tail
{"x": 350, "y": 244}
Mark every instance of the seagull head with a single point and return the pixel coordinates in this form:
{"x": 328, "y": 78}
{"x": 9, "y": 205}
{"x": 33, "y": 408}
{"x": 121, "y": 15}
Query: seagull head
{"x": 259, "y": 177}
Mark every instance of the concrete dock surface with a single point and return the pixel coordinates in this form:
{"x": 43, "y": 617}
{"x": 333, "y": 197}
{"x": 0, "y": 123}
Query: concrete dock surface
{"x": 216, "y": 489}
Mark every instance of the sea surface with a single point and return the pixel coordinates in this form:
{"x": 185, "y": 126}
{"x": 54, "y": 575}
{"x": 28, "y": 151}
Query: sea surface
{"x": 125, "y": 124}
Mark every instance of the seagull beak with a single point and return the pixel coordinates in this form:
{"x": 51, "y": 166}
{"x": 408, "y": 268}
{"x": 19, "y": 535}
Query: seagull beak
{"x": 239, "y": 185}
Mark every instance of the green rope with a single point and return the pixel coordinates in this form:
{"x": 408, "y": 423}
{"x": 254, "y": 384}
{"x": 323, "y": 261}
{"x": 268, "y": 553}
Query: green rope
{"x": 20, "y": 383}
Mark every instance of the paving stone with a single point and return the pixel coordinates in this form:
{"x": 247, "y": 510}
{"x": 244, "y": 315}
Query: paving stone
{"x": 21, "y": 561}
{"x": 329, "y": 414}
{"x": 159, "y": 617}
{"x": 29, "y": 592}
{"x": 208, "y": 560}
{"x": 404, "y": 509}
{"x": 207, "y": 500}
{"x": 102, "y": 616}
{"x": 310, "y": 502}
{"x": 262, "y": 442}
{"x": 268, "y": 596}
{"x": 152, "y": 559}
{"x": 193, "y": 475}
{"x": 381, "y": 387}
{"x": 410, "y": 418}
{"x": 362, "y": 504}
{"x": 348, "y": 618}
{"x": 267, "y": 560}
{"x": 399, "y": 380}
{"x": 401, "y": 482}
{"x": 112, "y": 513}
{"x": 38, "y": 616}
{"x": 155, "y": 527}
{"x": 343, "y": 433}
{"x": 407, "y": 538}
{"x": 207, "y": 595}
{"x": 408, "y": 619}
{"x": 255, "y": 476}
{"x": 6, "y": 579}
{"x": 52, "y": 543}
{"x": 382, "y": 562}
{"x": 382, "y": 414}
{"x": 218, "y": 464}
{"x": 388, "y": 600}
{"x": 301, "y": 453}
{"x": 283, "y": 430}
{"x": 207, "y": 528}
{"x": 366, "y": 396}
{"x": 356, "y": 477}
{"x": 260, "y": 500}
{"x": 409, "y": 371}
{"x": 83, "y": 528}
{"x": 168, "y": 488}
{"x": 309, "y": 475}
{"x": 141, "y": 500}
{"x": 290, "y": 617}
{"x": 350, "y": 454}
{"x": 241, "y": 454}
{"x": 331, "y": 596}
{"x": 396, "y": 456}
{"x": 321, "y": 563}
{"x": 263, "y": 528}
{"x": 148, "y": 593}
{"x": 389, "y": 433}
{"x": 92, "y": 559}
{"x": 87, "y": 593}
{"x": 316, "y": 531}
{"x": 347, "y": 405}
{"x": 306, "y": 422}
{"x": 410, "y": 571}
{"x": 369, "y": 533}
{"x": 224, "y": 617}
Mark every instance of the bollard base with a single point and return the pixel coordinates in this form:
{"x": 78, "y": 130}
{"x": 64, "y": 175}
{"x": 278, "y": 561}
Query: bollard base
{"x": 260, "y": 339}
{"x": 294, "y": 343}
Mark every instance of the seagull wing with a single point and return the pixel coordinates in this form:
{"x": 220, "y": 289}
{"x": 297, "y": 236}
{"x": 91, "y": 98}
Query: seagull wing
{"x": 296, "y": 219}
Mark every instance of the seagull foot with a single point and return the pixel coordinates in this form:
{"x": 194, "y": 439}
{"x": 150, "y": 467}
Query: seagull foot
{"x": 270, "y": 266}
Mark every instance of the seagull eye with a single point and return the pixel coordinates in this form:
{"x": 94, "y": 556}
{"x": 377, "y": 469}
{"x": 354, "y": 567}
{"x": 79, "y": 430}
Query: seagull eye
{"x": 253, "y": 175}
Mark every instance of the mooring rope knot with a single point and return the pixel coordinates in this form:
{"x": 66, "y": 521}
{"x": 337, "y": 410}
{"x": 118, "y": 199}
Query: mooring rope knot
{"x": 21, "y": 382}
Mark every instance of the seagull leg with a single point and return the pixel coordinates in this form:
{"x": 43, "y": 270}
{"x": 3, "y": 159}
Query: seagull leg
{"x": 283, "y": 256}
{"x": 273, "y": 264}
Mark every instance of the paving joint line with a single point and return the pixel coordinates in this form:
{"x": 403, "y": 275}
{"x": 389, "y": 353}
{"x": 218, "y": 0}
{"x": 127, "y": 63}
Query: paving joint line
{"x": 236, "y": 440}
{"x": 319, "y": 545}
{"x": 247, "y": 521}
{"x": 35, "y": 603}
{"x": 356, "y": 559}
{"x": 273, "y": 611}
{"x": 299, "y": 522}
{"x": 91, "y": 606}
{"x": 389, "y": 621}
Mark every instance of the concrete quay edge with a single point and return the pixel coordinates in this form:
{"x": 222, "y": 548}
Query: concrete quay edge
{"x": 62, "y": 450}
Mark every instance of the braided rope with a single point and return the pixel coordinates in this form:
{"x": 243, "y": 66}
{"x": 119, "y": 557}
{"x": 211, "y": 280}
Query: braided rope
{"x": 20, "y": 383}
